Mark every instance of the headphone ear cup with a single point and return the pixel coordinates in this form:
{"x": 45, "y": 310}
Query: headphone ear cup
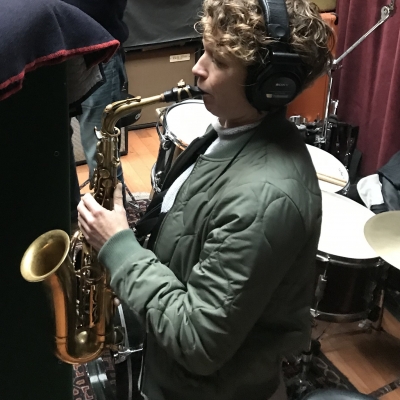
{"x": 274, "y": 88}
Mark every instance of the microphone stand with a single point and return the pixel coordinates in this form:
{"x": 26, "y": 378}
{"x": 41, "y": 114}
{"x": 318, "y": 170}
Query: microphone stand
{"x": 386, "y": 12}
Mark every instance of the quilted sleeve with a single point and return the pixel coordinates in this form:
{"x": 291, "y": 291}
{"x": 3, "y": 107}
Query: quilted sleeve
{"x": 249, "y": 248}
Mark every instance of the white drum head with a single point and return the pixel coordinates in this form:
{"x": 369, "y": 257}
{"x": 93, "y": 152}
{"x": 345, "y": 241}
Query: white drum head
{"x": 325, "y": 163}
{"x": 186, "y": 121}
{"x": 342, "y": 231}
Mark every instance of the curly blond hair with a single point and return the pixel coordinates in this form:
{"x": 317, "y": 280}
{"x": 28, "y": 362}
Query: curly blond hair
{"x": 237, "y": 27}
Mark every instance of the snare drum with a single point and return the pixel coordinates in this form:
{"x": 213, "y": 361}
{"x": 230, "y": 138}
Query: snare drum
{"x": 347, "y": 266}
{"x": 325, "y": 163}
{"x": 178, "y": 126}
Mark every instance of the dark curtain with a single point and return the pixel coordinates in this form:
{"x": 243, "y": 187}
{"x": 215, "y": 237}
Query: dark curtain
{"x": 368, "y": 85}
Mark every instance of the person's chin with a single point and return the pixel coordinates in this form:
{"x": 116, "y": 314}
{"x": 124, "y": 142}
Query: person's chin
{"x": 207, "y": 102}
{"x": 207, "y": 97}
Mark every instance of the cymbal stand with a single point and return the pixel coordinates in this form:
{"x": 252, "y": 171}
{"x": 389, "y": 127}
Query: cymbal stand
{"x": 300, "y": 384}
{"x": 386, "y": 12}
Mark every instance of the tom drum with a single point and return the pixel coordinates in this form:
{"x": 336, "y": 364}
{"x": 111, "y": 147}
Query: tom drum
{"x": 327, "y": 164}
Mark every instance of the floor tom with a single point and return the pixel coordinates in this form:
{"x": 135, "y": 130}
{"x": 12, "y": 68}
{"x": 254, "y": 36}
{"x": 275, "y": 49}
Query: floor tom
{"x": 347, "y": 266}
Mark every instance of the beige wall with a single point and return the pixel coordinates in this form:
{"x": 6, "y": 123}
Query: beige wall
{"x": 325, "y": 5}
{"x": 151, "y": 73}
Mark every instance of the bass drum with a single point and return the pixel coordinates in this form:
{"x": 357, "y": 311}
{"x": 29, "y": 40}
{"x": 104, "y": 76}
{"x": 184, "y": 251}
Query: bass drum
{"x": 110, "y": 378}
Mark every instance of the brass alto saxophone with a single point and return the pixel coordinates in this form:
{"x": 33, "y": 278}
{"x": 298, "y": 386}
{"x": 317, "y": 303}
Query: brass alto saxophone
{"x": 80, "y": 289}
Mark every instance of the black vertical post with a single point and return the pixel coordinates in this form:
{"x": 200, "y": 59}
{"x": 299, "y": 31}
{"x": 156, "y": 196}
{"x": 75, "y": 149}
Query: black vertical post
{"x": 34, "y": 188}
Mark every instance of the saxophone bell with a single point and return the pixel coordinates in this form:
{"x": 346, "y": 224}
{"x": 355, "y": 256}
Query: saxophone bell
{"x": 80, "y": 298}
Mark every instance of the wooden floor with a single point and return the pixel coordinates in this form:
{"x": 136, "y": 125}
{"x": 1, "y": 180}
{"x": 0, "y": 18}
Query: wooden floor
{"x": 143, "y": 147}
{"x": 369, "y": 360}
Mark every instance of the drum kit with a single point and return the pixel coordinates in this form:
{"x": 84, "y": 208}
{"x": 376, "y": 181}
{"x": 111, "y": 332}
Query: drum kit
{"x": 355, "y": 251}
{"x": 356, "y": 247}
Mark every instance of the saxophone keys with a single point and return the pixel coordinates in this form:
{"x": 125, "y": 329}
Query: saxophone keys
{"x": 104, "y": 173}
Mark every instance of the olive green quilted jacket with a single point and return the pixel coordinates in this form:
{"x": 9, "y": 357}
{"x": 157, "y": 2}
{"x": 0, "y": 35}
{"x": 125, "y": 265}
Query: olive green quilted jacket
{"x": 227, "y": 291}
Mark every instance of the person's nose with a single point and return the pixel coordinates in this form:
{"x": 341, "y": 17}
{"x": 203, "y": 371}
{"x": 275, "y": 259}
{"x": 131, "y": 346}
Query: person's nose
{"x": 199, "y": 69}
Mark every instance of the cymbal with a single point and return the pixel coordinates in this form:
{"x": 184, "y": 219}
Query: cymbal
{"x": 382, "y": 232}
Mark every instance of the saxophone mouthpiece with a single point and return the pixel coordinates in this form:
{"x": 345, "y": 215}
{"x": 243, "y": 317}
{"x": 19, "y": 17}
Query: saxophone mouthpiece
{"x": 180, "y": 93}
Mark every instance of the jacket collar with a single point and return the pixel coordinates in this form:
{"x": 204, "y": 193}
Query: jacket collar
{"x": 272, "y": 122}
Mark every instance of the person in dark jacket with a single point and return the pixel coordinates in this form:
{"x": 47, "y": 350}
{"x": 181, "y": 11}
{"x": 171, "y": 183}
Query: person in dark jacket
{"x": 109, "y": 14}
{"x": 226, "y": 289}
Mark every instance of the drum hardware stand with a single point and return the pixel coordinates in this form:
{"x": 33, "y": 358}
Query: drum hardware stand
{"x": 375, "y": 315}
{"x": 395, "y": 384}
{"x": 384, "y": 266}
{"x": 321, "y": 140}
{"x": 300, "y": 384}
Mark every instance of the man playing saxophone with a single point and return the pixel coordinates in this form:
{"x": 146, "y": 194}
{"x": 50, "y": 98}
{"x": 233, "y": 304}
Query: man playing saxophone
{"x": 226, "y": 288}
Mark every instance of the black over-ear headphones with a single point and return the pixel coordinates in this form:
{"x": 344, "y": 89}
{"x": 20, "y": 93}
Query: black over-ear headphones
{"x": 278, "y": 80}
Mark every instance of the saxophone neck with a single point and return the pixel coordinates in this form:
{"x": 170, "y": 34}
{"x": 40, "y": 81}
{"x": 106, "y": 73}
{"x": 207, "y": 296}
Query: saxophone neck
{"x": 119, "y": 109}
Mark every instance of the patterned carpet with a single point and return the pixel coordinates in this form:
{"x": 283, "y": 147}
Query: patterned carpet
{"x": 320, "y": 374}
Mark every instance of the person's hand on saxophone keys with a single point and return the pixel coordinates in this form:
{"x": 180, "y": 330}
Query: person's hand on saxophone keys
{"x": 99, "y": 224}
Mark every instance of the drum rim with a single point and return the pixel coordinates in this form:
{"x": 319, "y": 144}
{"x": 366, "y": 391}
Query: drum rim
{"x": 332, "y": 317}
{"x": 174, "y": 139}
{"x": 353, "y": 262}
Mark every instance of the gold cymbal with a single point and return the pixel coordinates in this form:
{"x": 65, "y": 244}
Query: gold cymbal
{"x": 382, "y": 232}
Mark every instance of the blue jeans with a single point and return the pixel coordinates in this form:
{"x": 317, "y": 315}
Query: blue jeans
{"x": 93, "y": 106}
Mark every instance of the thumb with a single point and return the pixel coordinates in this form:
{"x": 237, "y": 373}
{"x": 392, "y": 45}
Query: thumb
{"x": 118, "y": 200}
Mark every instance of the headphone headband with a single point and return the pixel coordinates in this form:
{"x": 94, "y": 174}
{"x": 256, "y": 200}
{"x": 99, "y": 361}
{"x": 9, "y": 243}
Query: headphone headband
{"x": 276, "y": 19}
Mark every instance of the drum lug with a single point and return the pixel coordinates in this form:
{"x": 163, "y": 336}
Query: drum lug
{"x": 123, "y": 353}
{"x": 165, "y": 143}
{"x": 324, "y": 259}
{"x": 314, "y": 313}
{"x": 156, "y": 179}
{"x": 365, "y": 325}
{"x": 120, "y": 349}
